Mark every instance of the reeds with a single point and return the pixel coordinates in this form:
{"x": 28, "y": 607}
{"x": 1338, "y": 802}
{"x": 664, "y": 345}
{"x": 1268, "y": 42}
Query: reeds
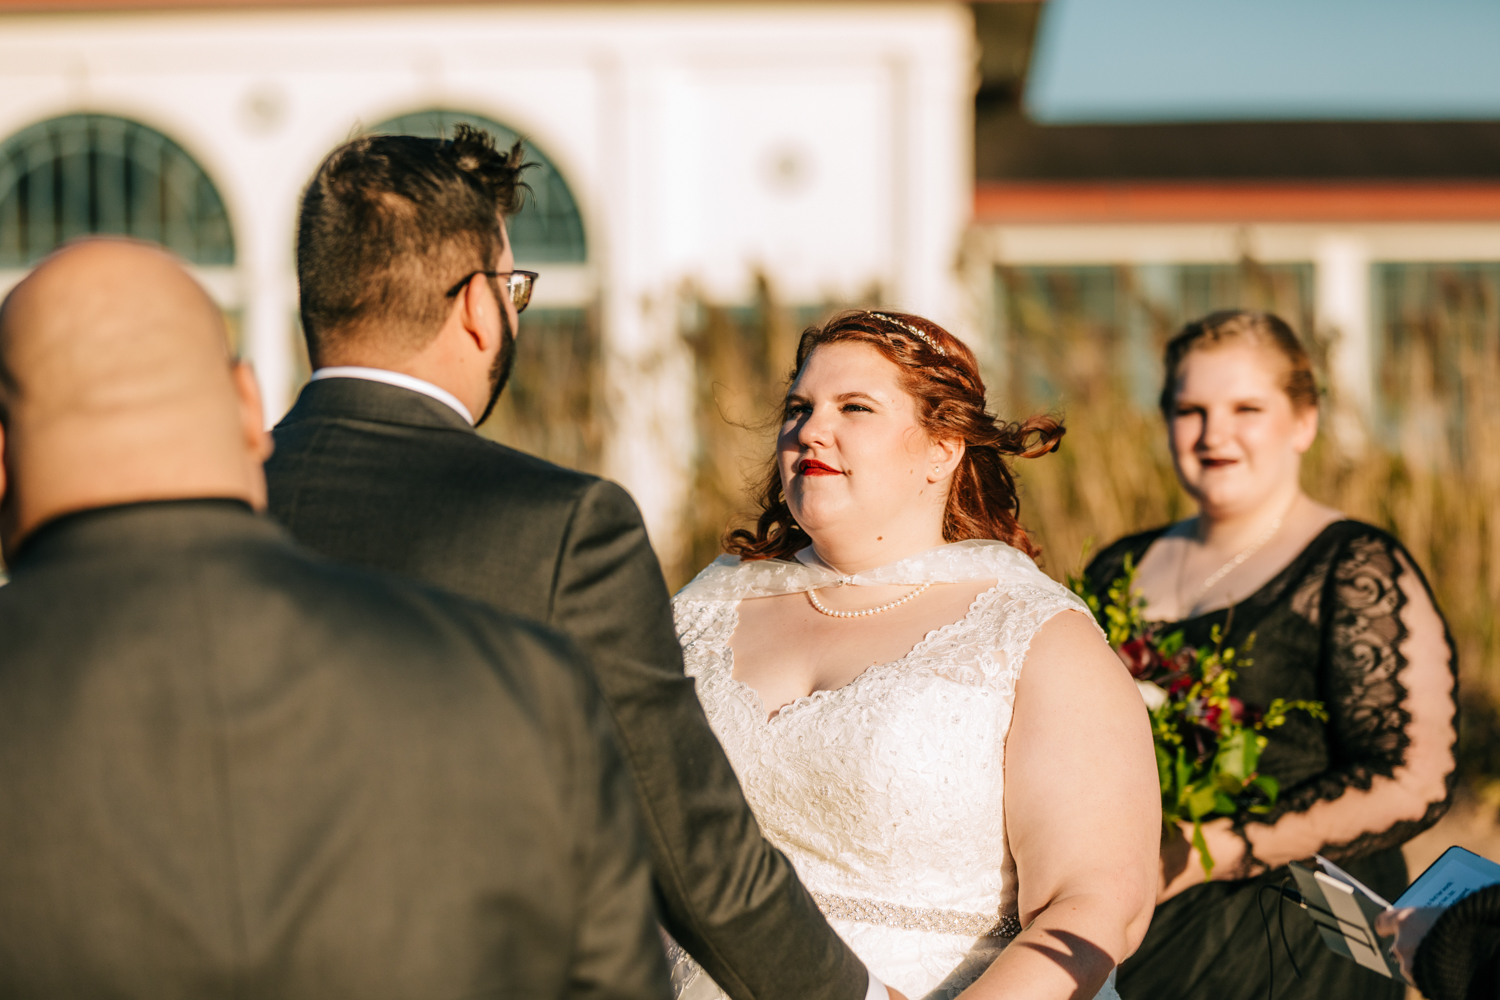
{"x": 1086, "y": 343}
{"x": 1428, "y": 469}
{"x": 742, "y": 358}
{"x": 553, "y": 404}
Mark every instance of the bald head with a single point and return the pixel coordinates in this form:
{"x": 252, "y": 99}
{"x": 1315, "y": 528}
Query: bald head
{"x": 116, "y": 386}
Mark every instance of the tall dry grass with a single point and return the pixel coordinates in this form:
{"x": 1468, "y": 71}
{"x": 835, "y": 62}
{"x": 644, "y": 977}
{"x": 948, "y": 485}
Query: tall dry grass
{"x": 553, "y": 405}
{"x": 1425, "y": 466}
{"x": 742, "y": 359}
{"x": 1087, "y": 344}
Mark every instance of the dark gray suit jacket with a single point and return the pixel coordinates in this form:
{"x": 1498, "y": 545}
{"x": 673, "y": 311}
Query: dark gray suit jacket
{"x": 229, "y": 768}
{"x": 382, "y": 476}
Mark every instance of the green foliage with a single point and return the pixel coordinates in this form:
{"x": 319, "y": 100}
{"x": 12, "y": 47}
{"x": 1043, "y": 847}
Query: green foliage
{"x": 1208, "y": 742}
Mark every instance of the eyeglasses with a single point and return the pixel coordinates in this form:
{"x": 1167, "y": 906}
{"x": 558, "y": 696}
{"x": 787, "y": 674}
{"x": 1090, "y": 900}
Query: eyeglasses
{"x": 518, "y": 285}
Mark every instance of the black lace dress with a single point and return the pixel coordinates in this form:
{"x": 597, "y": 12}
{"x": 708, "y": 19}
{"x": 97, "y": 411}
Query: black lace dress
{"x": 1328, "y": 627}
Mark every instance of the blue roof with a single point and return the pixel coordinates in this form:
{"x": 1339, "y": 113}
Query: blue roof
{"x": 1265, "y": 60}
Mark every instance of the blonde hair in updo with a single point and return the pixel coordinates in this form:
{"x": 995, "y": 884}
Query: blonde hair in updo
{"x": 1266, "y": 329}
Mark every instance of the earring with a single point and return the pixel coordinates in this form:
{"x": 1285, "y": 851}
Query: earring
{"x": 937, "y": 470}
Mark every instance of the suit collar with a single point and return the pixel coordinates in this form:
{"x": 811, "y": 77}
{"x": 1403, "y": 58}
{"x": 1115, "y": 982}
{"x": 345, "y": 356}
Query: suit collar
{"x": 361, "y": 399}
{"x": 154, "y": 525}
{"x": 401, "y": 379}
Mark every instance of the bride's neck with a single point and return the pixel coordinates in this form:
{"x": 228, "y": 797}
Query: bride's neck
{"x": 857, "y": 555}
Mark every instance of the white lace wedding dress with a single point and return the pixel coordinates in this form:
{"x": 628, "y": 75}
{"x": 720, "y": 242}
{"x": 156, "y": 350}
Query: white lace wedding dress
{"x": 887, "y": 794}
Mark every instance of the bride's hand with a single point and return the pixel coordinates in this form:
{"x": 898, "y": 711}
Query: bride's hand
{"x": 1181, "y": 864}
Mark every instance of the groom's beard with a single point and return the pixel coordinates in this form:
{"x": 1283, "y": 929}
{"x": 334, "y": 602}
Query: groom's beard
{"x": 500, "y": 368}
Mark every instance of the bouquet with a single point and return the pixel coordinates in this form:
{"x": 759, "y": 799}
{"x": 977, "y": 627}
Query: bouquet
{"x": 1208, "y": 742}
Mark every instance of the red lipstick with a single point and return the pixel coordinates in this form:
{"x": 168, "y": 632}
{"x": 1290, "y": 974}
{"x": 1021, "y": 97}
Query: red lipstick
{"x": 813, "y": 467}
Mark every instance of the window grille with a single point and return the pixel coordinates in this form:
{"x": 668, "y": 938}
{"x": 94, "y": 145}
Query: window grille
{"x": 1436, "y": 349}
{"x": 1052, "y": 317}
{"x": 84, "y": 173}
{"x": 548, "y": 229}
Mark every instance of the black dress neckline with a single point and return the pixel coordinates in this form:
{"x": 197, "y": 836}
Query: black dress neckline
{"x": 1139, "y": 544}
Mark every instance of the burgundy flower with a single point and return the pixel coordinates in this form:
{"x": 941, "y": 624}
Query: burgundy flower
{"x": 1139, "y": 656}
{"x": 1201, "y": 743}
{"x": 1236, "y": 710}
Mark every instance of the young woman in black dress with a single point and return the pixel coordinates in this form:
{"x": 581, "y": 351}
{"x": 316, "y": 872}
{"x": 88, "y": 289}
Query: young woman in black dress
{"x": 1340, "y": 613}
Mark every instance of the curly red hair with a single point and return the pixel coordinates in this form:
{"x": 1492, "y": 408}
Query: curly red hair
{"x": 940, "y": 372}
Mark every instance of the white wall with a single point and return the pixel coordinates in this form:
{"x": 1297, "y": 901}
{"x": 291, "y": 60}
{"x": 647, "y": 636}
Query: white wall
{"x": 825, "y": 144}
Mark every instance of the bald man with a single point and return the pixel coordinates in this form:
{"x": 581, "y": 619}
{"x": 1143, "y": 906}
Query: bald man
{"x": 230, "y": 769}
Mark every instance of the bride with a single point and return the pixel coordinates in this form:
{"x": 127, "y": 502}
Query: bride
{"x": 934, "y": 732}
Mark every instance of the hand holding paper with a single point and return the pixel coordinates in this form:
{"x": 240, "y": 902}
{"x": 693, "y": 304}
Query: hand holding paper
{"x": 1408, "y": 925}
{"x": 1350, "y": 915}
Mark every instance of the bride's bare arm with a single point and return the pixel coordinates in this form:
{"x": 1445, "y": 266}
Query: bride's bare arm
{"x": 1083, "y": 814}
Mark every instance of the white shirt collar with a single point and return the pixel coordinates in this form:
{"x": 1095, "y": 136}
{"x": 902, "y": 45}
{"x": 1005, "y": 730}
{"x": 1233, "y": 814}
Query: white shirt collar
{"x": 398, "y": 379}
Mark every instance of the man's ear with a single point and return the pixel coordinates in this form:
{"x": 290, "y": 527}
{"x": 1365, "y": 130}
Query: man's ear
{"x": 258, "y": 441}
{"x": 4, "y": 469}
{"x": 7, "y": 502}
{"x": 478, "y": 314}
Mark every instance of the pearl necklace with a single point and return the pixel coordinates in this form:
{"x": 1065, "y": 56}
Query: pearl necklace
{"x": 812, "y": 595}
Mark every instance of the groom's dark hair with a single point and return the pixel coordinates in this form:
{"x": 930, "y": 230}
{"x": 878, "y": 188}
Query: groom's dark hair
{"x": 389, "y": 224}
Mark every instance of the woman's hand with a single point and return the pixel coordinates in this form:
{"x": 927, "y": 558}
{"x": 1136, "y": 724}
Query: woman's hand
{"x": 1182, "y": 864}
{"x": 1410, "y": 926}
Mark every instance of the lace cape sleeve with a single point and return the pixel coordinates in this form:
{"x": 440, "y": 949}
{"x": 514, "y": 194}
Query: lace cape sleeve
{"x": 1388, "y": 677}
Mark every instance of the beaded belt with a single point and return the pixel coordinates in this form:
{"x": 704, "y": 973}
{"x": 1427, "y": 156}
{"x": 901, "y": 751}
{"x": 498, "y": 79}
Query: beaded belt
{"x": 912, "y": 918}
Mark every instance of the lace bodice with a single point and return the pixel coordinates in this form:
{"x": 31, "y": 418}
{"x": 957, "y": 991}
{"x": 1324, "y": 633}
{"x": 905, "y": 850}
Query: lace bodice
{"x": 888, "y": 794}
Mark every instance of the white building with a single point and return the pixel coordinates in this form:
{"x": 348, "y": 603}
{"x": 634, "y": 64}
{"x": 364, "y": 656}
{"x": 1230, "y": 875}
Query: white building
{"x": 828, "y": 146}
{"x": 1142, "y": 164}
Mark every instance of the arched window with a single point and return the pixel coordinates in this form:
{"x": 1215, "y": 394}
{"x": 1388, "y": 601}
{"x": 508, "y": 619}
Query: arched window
{"x": 548, "y": 229}
{"x": 80, "y": 174}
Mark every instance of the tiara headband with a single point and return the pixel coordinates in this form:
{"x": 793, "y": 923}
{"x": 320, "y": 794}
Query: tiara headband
{"x": 924, "y": 338}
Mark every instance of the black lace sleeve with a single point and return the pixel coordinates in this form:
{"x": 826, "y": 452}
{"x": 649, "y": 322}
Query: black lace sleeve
{"x": 1374, "y": 600}
{"x": 1460, "y": 956}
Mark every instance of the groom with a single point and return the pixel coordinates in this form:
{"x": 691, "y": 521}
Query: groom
{"x": 410, "y": 304}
